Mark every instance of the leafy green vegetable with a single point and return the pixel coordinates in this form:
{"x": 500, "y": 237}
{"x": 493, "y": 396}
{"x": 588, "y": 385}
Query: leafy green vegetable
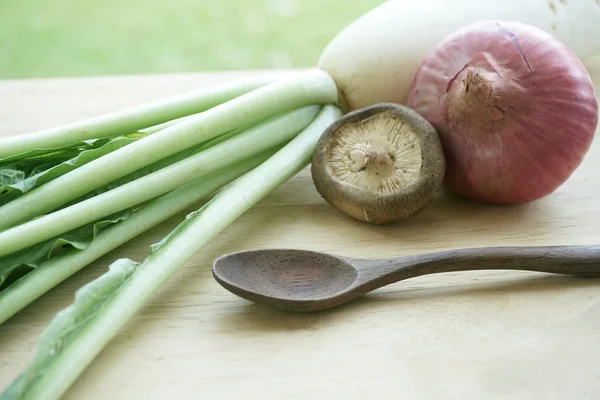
{"x": 156, "y": 166}
{"x": 57, "y": 340}
{"x": 63, "y": 357}
{"x": 270, "y": 133}
{"x": 42, "y": 158}
{"x": 17, "y": 265}
{"x": 24, "y": 172}
{"x": 51, "y": 156}
{"x": 9, "y": 176}
{"x": 312, "y": 87}
{"x": 131, "y": 119}
{"x": 202, "y": 141}
{"x": 25, "y": 260}
{"x": 48, "y": 274}
{"x": 23, "y": 176}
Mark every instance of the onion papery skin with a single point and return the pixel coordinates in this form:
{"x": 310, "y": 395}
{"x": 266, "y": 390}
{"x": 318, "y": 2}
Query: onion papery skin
{"x": 515, "y": 110}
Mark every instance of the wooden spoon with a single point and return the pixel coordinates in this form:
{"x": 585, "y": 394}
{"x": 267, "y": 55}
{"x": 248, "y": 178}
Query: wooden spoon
{"x": 300, "y": 280}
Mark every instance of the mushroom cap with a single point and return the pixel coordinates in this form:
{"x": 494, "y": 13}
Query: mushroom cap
{"x": 379, "y": 164}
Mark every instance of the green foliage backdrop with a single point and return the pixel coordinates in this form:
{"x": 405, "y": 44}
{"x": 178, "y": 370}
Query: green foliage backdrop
{"x": 49, "y": 38}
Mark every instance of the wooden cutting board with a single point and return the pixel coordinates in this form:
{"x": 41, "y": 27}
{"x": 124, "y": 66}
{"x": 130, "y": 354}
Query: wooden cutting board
{"x": 469, "y": 335}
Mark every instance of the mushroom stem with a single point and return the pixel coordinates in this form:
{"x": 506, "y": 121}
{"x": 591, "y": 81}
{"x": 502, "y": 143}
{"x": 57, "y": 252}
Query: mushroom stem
{"x": 367, "y": 155}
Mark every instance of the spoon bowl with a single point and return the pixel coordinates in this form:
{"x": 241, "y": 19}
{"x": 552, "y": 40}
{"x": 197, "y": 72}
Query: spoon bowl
{"x": 302, "y": 280}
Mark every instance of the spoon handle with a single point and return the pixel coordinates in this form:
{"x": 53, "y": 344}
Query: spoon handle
{"x": 572, "y": 260}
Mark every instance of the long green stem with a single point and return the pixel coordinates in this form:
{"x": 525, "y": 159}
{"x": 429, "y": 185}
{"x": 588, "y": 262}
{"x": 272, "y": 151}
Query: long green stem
{"x": 66, "y": 350}
{"x": 275, "y": 131}
{"x": 156, "y": 128}
{"x": 36, "y": 175}
{"x": 312, "y": 87}
{"x": 132, "y": 118}
{"x": 46, "y": 276}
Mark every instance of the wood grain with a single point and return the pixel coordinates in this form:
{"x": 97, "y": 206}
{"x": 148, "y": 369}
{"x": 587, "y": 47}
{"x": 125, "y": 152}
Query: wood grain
{"x": 460, "y": 335}
{"x": 309, "y": 281}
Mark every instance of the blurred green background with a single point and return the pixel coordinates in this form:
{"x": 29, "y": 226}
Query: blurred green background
{"x": 51, "y": 38}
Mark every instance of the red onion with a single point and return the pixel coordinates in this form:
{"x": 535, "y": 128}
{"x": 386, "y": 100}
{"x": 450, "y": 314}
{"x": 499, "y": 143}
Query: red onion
{"x": 515, "y": 110}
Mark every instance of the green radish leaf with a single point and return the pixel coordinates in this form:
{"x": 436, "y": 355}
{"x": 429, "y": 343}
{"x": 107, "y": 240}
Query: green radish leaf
{"x": 24, "y": 175}
{"x": 165, "y": 162}
{"x": 52, "y": 153}
{"x": 14, "y": 266}
{"x": 70, "y": 323}
{"x": 189, "y": 218}
{"x": 38, "y": 281}
{"x": 28, "y": 167}
{"x": 10, "y": 176}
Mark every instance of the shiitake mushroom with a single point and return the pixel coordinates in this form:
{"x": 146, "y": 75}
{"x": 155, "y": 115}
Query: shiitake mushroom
{"x": 379, "y": 164}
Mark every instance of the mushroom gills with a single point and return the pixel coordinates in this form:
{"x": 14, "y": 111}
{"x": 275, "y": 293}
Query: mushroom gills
{"x": 379, "y": 164}
{"x": 380, "y": 154}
